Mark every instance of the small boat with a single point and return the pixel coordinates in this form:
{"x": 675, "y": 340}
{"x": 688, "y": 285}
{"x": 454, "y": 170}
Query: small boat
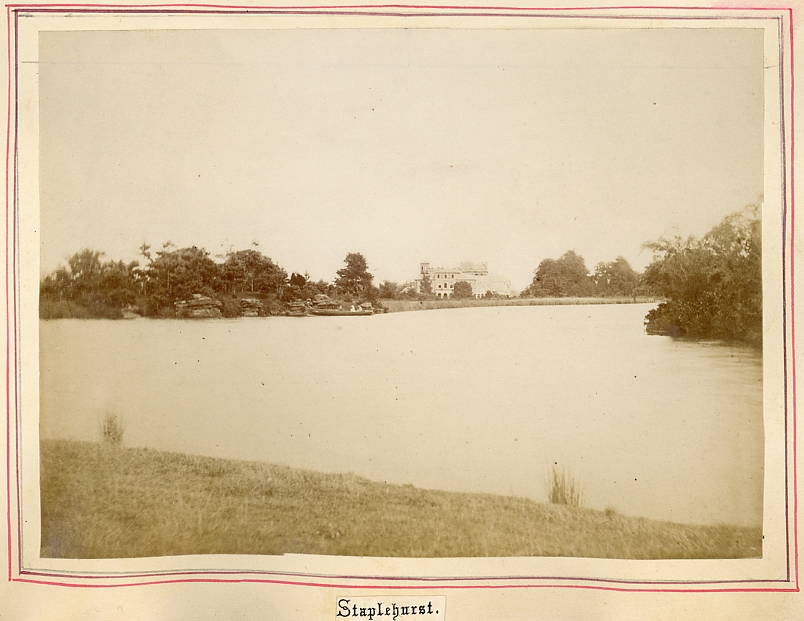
{"x": 323, "y": 306}
{"x": 337, "y": 312}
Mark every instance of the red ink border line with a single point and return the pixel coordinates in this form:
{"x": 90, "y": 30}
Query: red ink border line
{"x": 453, "y": 587}
{"x": 8, "y": 319}
{"x": 347, "y": 8}
{"x": 792, "y": 293}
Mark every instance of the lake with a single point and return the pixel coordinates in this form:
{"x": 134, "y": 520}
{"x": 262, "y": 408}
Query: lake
{"x": 473, "y": 399}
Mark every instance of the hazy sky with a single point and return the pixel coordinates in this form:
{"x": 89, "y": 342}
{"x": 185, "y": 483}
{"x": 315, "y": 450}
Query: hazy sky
{"x": 506, "y": 146}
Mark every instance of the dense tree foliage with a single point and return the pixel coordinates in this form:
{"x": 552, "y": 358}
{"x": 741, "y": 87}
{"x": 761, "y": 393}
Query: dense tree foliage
{"x": 354, "y": 279}
{"x": 615, "y": 278}
{"x": 713, "y": 285}
{"x": 389, "y": 290}
{"x": 89, "y": 287}
{"x": 566, "y": 276}
{"x": 462, "y": 290}
{"x": 250, "y": 270}
{"x": 176, "y": 274}
{"x": 301, "y": 287}
{"x": 494, "y": 295}
{"x": 426, "y": 287}
{"x": 297, "y": 280}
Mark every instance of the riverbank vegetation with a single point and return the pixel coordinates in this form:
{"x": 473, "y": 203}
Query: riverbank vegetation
{"x": 90, "y": 287}
{"x": 106, "y": 501}
{"x": 712, "y": 285}
{"x": 568, "y": 276}
{"x": 710, "y": 288}
{"x": 397, "y": 306}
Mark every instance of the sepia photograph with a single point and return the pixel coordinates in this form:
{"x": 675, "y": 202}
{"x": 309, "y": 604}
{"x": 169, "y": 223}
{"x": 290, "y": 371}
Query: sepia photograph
{"x": 401, "y": 292}
{"x": 470, "y": 312}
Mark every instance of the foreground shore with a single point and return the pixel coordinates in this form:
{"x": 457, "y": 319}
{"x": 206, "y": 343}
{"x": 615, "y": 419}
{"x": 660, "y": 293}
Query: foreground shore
{"x": 100, "y": 501}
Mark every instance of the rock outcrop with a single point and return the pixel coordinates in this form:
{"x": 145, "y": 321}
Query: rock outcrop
{"x": 199, "y": 307}
{"x": 251, "y": 307}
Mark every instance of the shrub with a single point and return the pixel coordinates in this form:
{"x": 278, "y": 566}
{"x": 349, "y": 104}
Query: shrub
{"x": 462, "y": 290}
{"x": 89, "y": 307}
{"x": 61, "y": 309}
{"x": 231, "y": 306}
{"x": 166, "y": 312}
{"x": 712, "y": 285}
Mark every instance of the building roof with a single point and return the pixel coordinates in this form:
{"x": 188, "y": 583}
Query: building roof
{"x": 470, "y": 266}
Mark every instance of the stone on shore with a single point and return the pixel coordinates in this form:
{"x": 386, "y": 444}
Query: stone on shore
{"x": 199, "y": 307}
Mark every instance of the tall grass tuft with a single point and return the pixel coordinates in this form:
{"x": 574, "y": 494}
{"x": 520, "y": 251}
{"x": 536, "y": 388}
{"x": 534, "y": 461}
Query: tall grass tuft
{"x": 563, "y": 489}
{"x": 112, "y": 430}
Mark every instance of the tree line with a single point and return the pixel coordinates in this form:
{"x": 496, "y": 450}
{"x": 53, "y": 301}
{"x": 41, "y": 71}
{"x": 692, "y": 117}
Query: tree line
{"x": 90, "y": 287}
{"x": 711, "y": 287}
{"x": 568, "y": 276}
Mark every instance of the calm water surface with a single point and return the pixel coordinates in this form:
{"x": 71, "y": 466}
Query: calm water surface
{"x": 475, "y": 399}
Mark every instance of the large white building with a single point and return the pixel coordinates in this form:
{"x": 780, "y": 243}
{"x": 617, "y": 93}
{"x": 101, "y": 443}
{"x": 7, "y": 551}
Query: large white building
{"x": 442, "y": 280}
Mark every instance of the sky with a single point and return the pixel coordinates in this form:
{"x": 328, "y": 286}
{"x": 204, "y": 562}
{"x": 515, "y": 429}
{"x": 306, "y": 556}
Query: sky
{"x": 406, "y": 145}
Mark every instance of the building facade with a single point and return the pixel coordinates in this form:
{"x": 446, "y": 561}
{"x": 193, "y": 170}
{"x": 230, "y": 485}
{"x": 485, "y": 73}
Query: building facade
{"x": 442, "y": 280}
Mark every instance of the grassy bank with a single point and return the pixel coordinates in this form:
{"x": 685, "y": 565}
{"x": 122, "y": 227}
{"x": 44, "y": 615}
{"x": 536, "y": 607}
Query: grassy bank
{"x": 102, "y": 501}
{"x": 396, "y": 306}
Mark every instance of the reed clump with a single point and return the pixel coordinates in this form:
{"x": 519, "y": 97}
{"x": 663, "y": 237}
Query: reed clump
{"x": 563, "y": 489}
{"x": 112, "y": 430}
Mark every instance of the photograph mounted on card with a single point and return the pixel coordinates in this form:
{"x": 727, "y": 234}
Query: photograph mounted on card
{"x": 316, "y": 296}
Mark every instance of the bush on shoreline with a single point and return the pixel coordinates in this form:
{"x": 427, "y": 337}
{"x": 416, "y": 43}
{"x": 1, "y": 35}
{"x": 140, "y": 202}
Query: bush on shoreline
{"x": 712, "y": 285}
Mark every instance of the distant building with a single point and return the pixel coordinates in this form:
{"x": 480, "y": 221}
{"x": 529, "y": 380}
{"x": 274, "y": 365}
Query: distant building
{"x": 442, "y": 280}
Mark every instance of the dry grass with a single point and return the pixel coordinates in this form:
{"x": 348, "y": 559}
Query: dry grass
{"x": 396, "y": 306}
{"x": 102, "y": 502}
